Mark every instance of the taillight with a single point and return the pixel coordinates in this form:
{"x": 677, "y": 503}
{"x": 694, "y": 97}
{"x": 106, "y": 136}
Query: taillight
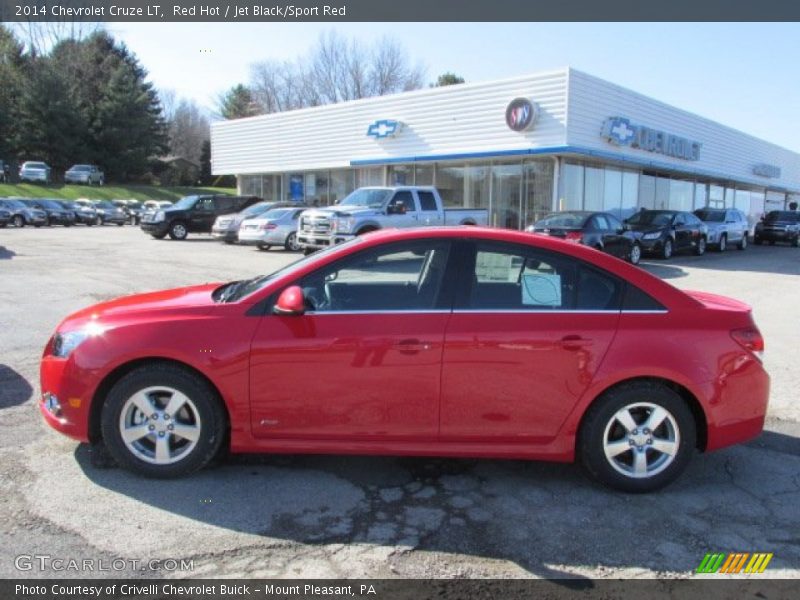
{"x": 574, "y": 236}
{"x": 750, "y": 339}
{"x": 265, "y": 226}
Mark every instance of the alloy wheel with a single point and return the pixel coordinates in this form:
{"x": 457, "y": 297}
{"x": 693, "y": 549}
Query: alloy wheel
{"x": 636, "y": 254}
{"x": 160, "y": 425}
{"x": 641, "y": 440}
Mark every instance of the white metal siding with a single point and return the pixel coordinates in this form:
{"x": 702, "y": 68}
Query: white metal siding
{"x": 460, "y": 119}
{"x": 725, "y": 152}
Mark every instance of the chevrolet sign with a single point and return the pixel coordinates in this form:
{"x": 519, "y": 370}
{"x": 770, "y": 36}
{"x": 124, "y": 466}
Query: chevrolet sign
{"x": 621, "y": 132}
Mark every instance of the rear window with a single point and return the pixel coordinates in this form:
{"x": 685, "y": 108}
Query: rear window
{"x": 638, "y": 301}
{"x": 781, "y": 215}
{"x": 427, "y": 201}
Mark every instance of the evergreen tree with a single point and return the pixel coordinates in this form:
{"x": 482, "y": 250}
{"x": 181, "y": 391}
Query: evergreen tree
{"x": 12, "y": 63}
{"x": 447, "y": 79}
{"x": 237, "y": 102}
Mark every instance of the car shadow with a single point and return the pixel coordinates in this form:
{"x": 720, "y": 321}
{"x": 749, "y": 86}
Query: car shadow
{"x": 517, "y": 511}
{"x": 14, "y": 388}
{"x": 778, "y": 259}
{"x": 6, "y": 254}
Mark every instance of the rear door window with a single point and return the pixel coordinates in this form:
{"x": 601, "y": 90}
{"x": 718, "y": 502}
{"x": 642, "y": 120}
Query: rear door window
{"x": 427, "y": 201}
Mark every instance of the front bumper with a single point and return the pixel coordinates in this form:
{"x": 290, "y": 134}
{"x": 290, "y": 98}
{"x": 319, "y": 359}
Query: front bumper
{"x": 651, "y": 246}
{"x": 73, "y": 395}
{"x": 226, "y": 235}
{"x": 155, "y": 228}
{"x": 776, "y": 235}
{"x": 311, "y": 240}
{"x": 34, "y": 177}
{"x": 61, "y": 220}
{"x": 75, "y": 179}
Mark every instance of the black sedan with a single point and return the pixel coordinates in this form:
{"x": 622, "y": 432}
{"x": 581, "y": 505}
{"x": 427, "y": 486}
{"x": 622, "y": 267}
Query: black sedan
{"x": 779, "y": 226}
{"x": 56, "y": 213}
{"x": 596, "y": 229}
{"x": 110, "y": 213}
{"x": 83, "y": 214}
{"x": 664, "y": 232}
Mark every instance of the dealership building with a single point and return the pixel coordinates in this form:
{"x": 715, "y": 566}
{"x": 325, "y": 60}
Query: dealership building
{"x": 519, "y": 147}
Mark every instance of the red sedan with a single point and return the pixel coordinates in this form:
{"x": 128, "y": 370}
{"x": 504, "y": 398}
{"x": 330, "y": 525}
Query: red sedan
{"x": 448, "y": 342}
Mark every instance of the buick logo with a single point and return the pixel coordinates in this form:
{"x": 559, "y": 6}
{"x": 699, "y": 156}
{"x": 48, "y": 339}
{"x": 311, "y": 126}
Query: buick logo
{"x": 521, "y": 114}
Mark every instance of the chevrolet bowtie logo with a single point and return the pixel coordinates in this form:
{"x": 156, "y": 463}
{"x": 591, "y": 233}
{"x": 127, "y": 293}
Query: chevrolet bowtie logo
{"x": 384, "y": 128}
{"x": 619, "y": 131}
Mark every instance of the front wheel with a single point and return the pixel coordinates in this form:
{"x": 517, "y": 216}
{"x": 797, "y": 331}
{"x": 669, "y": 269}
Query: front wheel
{"x": 120, "y": 224}
{"x": 158, "y": 236}
{"x": 636, "y": 254}
{"x": 19, "y": 221}
{"x": 700, "y": 249}
{"x": 264, "y": 247}
{"x": 291, "y": 243}
{"x": 638, "y": 437}
{"x": 161, "y": 420}
{"x": 178, "y": 231}
{"x": 666, "y": 251}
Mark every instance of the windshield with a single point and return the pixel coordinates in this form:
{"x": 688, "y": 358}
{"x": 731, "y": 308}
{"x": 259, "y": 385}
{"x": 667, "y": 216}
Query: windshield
{"x": 184, "y": 203}
{"x": 256, "y": 209}
{"x": 241, "y": 289}
{"x": 14, "y": 204}
{"x": 569, "y": 220}
{"x": 651, "y": 217}
{"x": 366, "y": 197}
{"x": 32, "y": 165}
{"x": 51, "y": 204}
{"x": 710, "y": 216}
{"x": 104, "y": 205}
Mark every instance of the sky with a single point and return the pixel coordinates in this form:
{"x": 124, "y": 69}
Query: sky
{"x": 744, "y": 75}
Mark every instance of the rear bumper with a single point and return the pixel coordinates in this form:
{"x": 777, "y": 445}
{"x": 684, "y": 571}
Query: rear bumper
{"x": 226, "y": 235}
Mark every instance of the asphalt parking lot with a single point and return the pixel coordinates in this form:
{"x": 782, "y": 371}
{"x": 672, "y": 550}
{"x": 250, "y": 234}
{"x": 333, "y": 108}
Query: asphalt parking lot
{"x": 336, "y": 516}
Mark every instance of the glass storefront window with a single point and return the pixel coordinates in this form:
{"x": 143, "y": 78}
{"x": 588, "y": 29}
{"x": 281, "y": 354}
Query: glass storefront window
{"x": 593, "y": 188}
{"x": 681, "y": 195}
{"x": 295, "y": 187}
{"x": 450, "y": 183}
{"x": 506, "y": 196}
{"x": 630, "y": 194}
{"x": 730, "y": 195}
{"x": 401, "y": 175}
{"x": 742, "y": 201}
{"x": 662, "y": 193}
{"x": 612, "y": 192}
{"x": 538, "y": 191}
{"x": 369, "y": 176}
{"x": 316, "y": 188}
{"x": 250, "y": 185}
{"x": 647, "y": 191}
{"x": 476, "y": 186}
{"x": 341, "y": 183}
{"x": 716, "y": 196}
{"x": 572, "y": 187}
{"x": 700, "y": 195}
{"x": 423, "y": 174}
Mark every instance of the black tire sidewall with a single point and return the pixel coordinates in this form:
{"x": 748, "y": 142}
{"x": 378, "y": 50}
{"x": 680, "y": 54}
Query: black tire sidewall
{"x": 290, "y": 239}
{"x": 205, "y": 399}
{"x": 172, "y": 229}
{"x": 590, "y": 439}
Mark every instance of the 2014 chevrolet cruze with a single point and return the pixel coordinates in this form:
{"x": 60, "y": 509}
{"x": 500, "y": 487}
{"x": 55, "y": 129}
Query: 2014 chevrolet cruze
{"x": 449, "y": 342}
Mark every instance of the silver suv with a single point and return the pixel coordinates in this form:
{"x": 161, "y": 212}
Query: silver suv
{"x": 725, "y": 226}
{"x": 86, "y": 174}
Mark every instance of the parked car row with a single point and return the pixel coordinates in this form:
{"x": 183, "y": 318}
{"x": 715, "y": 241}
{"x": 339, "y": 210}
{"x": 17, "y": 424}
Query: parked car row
{"x": 661, "y": 233}
{"x": 39, "y": 212}
{"x": 40, "y": 172}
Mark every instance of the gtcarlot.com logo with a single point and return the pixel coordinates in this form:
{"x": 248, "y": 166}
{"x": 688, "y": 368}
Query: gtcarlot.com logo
{"x": 731, "y": 563}
{"x": 46, "y": 562}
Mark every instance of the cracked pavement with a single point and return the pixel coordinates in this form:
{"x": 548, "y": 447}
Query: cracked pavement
{"x": 346, "y": 516}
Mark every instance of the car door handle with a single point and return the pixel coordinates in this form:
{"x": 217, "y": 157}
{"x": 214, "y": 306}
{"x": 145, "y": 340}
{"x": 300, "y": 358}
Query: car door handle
{"x": 574, "y": 342}
{"x": 412, "y": 346}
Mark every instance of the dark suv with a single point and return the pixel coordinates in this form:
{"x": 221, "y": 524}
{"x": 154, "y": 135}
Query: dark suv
{"x": 192, "y": 214}
{"x": 779, "y": 226}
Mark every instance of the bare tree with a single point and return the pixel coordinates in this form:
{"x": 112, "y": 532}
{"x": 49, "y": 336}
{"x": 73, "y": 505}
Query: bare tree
{"x": 188, "y": 129}
{"x": 40, "y": 37}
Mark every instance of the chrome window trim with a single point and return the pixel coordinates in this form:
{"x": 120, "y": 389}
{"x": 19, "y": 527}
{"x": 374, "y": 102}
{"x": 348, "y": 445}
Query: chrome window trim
{"x": 484, "y": 311}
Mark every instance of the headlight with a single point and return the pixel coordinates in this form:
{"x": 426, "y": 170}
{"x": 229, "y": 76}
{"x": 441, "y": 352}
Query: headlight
{"x": 652, "y": 236}
{"x": 159, "y": 216}
{"x": 65, "y": 342}
{"x": 342, "y": 224}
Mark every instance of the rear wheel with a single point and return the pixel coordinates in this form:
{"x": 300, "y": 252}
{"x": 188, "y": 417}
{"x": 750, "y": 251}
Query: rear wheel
{"x": 637, "y": 437}
{"x": 291, "y": 243}
{"x": 264, "y": 247}
{"x": 19, "y": 221}
{"x": 723, "y": 243}
{"x": 743, "y": 243}
{"x": 796, "y": 241}
{"x": 163, "y": 421}
{"x": 178, "y": 231}
{"x": 120, "y": 224}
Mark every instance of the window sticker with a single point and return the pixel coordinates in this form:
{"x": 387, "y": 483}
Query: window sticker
{"x": 491, "y": 266}
{"x": 541, "y": 290}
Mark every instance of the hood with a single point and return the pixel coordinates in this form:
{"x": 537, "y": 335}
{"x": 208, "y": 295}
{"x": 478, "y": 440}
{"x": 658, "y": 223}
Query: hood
{"x": 645, "y": 227}
{"x": 344, "y": 211}
{"x": 161, "y": 304}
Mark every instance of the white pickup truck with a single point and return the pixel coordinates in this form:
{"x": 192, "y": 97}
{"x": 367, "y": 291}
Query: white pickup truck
{"x": 372, "y": 208}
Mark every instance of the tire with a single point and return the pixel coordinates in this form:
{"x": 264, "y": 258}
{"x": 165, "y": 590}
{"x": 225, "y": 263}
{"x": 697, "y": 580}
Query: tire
{"x": 98, "y": 220}
{"x": 723, "y": 243}
{"x": 153, "y": 388}
{"x": 19, "y": 221}
{"x": 291, "y": 244}
{"x": 700, "y": 249}
{"x": 178, "y": 231}
{"x": 742, "y": 245}
{"x": 636, "y": 254}
{"x": 608, "y": 449}
{"x": 366, "y": 230}
{"x": 308, "y": 251}
{"x": 264, "y": 247}
{"x": 757, "y": 241}
{"x": 158, "y": 236}
{"x": 120, "y": 224}
{"x": 666, "y": 250}
{"x": 796, "y": 241}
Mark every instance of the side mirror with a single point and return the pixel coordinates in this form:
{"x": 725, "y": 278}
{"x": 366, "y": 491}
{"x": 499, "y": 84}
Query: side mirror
{"x": 290, "y": 302}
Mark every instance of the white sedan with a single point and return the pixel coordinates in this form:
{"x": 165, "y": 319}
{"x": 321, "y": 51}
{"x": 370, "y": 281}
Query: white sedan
{"x": 276, "y": 227}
